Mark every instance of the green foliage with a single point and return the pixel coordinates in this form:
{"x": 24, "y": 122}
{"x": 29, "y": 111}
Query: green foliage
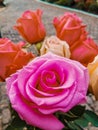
{"x": 91, "y": 117}
{"x": 80, "y": 6}
{"x": 65, "y": 2}
{"x": 38, "y": 46}
{"x": 18, "y": 124}
{"x": 77, "y": 118}
{"x": 51, "y": 1}
{"x": 86, "y": 118}
{"x": 74, "y": 113}
{"x": 83, "y": 121}
{"x": 93, "y": 8}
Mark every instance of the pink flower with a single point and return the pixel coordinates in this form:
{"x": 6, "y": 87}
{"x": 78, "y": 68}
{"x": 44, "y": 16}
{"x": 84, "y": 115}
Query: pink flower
{"x": 30, "y": 26}
{"x": 69, "y": 28}
{"x": 48, "y": 84}
{"x": 84, "y": 51}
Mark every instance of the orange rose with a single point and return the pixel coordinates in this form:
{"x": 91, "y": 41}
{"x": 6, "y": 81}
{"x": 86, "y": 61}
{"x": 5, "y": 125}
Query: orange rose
{"x": 56, "y": 46}
{"x": 69, "y": 28}
{"x": 93, "y": 72}
{"x": 30, "y": 26}
{"x": 84, "y": 51}
{"x": 12, "y": 57}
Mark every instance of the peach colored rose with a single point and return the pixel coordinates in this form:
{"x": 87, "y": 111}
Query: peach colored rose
{"x": 12, "y": 57}
{"x": 30, "y": 26}
{"x": 69, "y": 28}
{"x": 93, "y": 72}
{"x": 56, "y": 46}
{"x": 84, "y": 51}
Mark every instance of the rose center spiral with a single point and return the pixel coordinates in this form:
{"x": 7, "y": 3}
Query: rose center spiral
{"x": 50, "y": 78}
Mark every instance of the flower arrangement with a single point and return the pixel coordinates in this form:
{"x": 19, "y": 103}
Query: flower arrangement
{"x": 49, "y": 91}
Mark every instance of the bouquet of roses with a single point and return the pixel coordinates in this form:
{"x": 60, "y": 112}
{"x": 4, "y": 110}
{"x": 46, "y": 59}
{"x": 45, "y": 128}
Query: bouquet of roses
{"x": 48, "y": 91}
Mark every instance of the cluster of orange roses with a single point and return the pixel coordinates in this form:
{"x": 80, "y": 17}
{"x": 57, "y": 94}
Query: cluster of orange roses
{"x": 71, "y": 40}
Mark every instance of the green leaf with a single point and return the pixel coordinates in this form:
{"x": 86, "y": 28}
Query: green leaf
{"x": 88, "y": 117}
{"x": 38, "y": 45}
{"x": 78, "y": 110}
{"x": 72, "y": 126}
{"x": 73, "y": 114}
{"x": 9, "y": 128}
{"x": 13, "y": 128}
{"x": 91, "y": 117}
{"x": 82, "y": 121}
{"x": 17, "y": 123}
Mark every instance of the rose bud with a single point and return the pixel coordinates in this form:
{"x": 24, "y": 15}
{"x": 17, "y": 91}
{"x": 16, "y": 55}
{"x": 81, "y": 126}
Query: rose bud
{"x": 69, "y": 28}
{"x": 56, "y": 46}
{"x": 30, "y": 26}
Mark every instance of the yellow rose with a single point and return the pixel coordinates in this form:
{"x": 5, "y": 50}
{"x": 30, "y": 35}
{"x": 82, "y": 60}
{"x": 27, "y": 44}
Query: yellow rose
{"x": 93, "y": 71}
{"x": 56, "y": 46}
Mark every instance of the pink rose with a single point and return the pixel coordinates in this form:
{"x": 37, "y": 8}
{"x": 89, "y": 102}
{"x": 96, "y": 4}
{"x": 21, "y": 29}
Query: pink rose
{"x": 30, "y": 26}
{"x": 69, "y": 28}
{"x": 84, "y": 51}
{"x": 48, "y": 84}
